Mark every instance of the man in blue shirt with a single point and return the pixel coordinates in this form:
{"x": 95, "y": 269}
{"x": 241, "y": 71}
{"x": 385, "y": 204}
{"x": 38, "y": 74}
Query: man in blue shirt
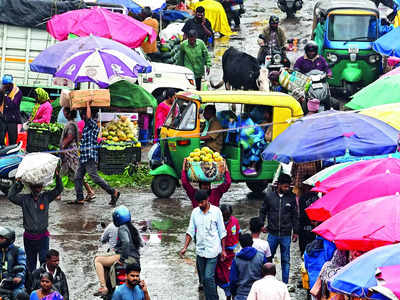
{"x": 208, "y": 229}
{"x": 134, "y": 288}
{"x": 88, "y": 160}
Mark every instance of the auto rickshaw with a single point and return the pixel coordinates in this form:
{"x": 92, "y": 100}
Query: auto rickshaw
{"x": 180, "y": 134}
{"x": 344, "y": 31}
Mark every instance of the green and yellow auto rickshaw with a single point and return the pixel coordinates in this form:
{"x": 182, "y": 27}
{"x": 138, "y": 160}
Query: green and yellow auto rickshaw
{"x": 181, "y": 132}
{"x": 344, "y": 31}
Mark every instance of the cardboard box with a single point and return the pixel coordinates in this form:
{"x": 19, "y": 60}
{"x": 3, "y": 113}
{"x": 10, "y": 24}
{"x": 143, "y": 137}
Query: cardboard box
{"x": 100, "y": 98}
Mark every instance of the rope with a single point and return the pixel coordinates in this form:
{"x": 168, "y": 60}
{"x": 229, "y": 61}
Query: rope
{"x": 189, "y": 135}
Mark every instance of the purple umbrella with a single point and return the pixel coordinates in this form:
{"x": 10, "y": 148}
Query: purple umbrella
{"x": 103, "y": 67}
{"x": 50, "y": 60}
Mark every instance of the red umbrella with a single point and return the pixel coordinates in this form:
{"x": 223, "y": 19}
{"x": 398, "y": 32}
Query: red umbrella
{"x": 364, "y": 226}
{"x": 358, "y": 170}
{"x": 353, "y": 192}
{"x": 103, "y": 23}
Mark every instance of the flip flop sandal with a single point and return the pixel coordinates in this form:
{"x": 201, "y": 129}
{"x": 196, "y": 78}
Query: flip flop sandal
{"x": 114, "y": 199}
{"x": 90, "y": 198}
{"x": 76, "y": 202}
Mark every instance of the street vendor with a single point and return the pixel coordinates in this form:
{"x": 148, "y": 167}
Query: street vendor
{"x": 10, "y": 109}
{"x": 215, "y": 194}
{"x": 43, "y": 109}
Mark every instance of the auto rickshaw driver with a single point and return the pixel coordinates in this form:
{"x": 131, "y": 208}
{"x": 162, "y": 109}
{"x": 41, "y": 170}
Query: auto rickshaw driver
{"x": 214, "y": 138}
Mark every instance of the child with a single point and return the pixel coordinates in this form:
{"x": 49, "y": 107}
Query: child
{"x": 222, "y": 269}
{"x": 256, "y": 227}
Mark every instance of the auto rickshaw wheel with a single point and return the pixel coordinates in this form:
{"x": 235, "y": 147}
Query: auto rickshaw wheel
{"x": 257, "y": 186}
{"x": 163, "y": 186}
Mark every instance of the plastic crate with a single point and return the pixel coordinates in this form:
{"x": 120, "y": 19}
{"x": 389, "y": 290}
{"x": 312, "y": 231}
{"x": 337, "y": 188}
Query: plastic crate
{"x": 54, "y": 138}
{"x": 37, "y": 140}
{"x": 109, "y": 169}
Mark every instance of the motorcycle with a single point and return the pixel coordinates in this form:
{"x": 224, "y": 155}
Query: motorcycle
{"x": 290, "y": 6}
{"x": 272, "y": 58}
{"x": 319, "y": 88}
{"x": 7, "y": 285}
{"x": 10, "y": 158}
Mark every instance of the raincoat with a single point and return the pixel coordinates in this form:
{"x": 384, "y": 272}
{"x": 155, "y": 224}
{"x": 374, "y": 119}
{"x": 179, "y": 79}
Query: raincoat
{"x": 194, "y": 58}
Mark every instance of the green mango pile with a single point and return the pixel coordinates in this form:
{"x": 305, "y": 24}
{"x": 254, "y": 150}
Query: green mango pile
{"x": 51, "y": 127}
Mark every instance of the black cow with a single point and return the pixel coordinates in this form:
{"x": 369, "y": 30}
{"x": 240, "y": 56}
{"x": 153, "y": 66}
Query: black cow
{"x": 240, "y": 71}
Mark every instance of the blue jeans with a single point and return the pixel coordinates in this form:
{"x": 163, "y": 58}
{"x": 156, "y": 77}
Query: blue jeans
{"x": 284, "y": 242}
{"x": 33, "y": 248}
{"x": 206, "y": 269}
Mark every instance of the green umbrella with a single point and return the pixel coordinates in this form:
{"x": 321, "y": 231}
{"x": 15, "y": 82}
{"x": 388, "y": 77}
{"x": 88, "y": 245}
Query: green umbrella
{"x": 128, "y": 95}
{"x": 379, "y": 92}
{"x": 325, "y": 173}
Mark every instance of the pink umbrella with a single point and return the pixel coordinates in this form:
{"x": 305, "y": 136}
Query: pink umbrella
{"x": 353, "y": 192}
{"x": 103, "y": 23}
{"x": 390, "y": 275}
{"x": 364, "y": 226}
{"x": 354, "y": 172}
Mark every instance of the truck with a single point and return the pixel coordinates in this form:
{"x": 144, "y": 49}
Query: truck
{"x": 20, "y": 45}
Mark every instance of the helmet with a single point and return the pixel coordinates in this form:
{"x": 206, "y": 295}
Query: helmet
{"x": 8, "y": 234}
{"x": 273, "y": 20}
{"x": 7, "y": 79}
{"x": 311, "y": 46}
{"x": 121, "y": 215}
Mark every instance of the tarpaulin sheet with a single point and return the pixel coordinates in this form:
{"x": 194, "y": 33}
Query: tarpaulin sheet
{"x": 127, "y": 95}
{"x": 34, "y": 13}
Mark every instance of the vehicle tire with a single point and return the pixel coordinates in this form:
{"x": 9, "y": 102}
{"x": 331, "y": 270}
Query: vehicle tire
{"x": 350, "y": 88}
{"x": 4, "y": 190}
{"x": 163, "y": 186}
{"x": 257, "y": 186}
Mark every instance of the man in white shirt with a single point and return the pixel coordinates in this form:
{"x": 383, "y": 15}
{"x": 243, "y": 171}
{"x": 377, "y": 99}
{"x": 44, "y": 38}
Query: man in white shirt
{"x": 269, "y": 288}
{"x": 256, "y": 226}
{"x": 207, "y": 228}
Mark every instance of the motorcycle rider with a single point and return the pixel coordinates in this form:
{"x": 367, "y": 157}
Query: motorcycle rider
{"x": 230, "y": 13}
{"x": 273, "y": 37}
{"x": 312, "y": 61}
{"x": 12, "y": 256}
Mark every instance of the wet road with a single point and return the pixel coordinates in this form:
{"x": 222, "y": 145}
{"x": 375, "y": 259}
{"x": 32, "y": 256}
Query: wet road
{"x": 74, "y": 232}
{"x": 74, "y": 229}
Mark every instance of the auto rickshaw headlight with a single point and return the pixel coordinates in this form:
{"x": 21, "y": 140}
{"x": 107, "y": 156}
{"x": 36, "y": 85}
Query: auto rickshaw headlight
{"x": 277, "y": 58}
{"x": 332, "y": 57}
{"x": 353, "y": 57}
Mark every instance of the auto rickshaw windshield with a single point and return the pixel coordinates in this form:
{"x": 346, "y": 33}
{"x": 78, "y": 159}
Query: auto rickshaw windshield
{"x": 182, "y": 115}
{"x": 362, "y": 28}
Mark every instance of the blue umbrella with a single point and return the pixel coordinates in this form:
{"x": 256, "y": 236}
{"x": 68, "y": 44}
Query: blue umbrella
{"x": 359, "y": 275}
{"x": 389, "y": 44}
{"x": 331, "y": 134}
{"x": 49, "y": 60}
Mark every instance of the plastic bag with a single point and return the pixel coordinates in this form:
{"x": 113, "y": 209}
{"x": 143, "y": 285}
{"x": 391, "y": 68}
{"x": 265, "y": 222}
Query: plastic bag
{"x": 65, "y": 98}
{"x": 37, "y": 168}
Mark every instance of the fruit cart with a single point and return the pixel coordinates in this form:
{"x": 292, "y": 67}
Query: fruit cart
{"x": 120, "y": 146}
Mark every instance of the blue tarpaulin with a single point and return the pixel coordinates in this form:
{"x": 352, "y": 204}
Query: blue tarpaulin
{"x": 389, "y": 44}
{"x": 131, "y": 5}
{"x": 332, "y": 134}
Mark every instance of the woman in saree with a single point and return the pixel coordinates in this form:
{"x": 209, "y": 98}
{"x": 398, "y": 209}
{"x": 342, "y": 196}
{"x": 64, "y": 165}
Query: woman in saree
{"x": 46, "y": 291}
